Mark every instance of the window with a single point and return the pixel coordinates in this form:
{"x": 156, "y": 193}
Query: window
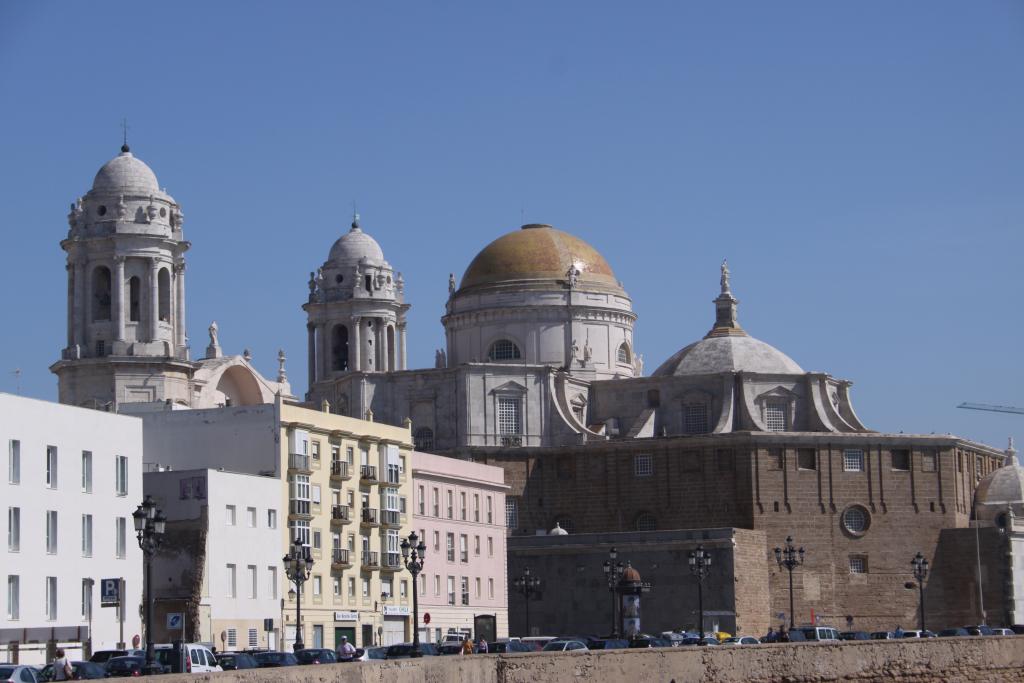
{"x": 86, "y": 535}
{"x": 855, "y": 519}
{"x": 901, "y": 459}
{"x": 421, "y": 501}
{"x": 476, "y": 507}
{"x": 351, "y": 587}
{"x": 462, "y": 506}
{"x": 645, "y": 521}
{"x": 317, "y": 585}
{"x": 490, "y": 547}
{"x": 450, "y": 538}
{"x": 806, "y": 459}
{"x": 977, "y": 467}
{"x": 231, "y": 581}
{"x": 336, "y": 586}
{"x": 477, "y": 593}
{"x": 508, "y": 415}
{"x": 434, "y": 503}
{"x": 437, "y": 585}
{"x": 271, "y": 519}
{"x": 272, "y": 582}
{"x": 464, "y": 585}
{"x": 490, "y": 512}
{"x": 14, "y": 462}
{"x": 928, "y": 462}
{"x": 366, "y": 587}
{"x": 232, "y": 637}
{"x": 316, "y": 450}
{"x": 490, "y": 588}
{"x": 623, "y": 354}
{"x": 463, "y": 548}
{"x": 695, "y": 418}
{"x": 87, "y": 599}
{"x": 254, "y": 639}
{"x": 503, "y": 349}
{"x": 476, "y": 545}
{"x": 511, "y": 513}
{"x": 250, "y": 514}
{"x": 774, "y": 414}
{"x": 252, "y": 581}
{"x": 299, "y": 530}
{"x": 451, "y": 590}
{"x": 122, "y": 475}
{"x": 13, "y": 597}
{"x": 437, "y": 541}
{"x": 86, "y": 472}
{"x": 858, "y": 564}
{"x": 100, "y": 292}
{"x": 424, "y": 439}
{"x": 229, "y": 515}
{"x": 51, "y": 598}
{"x": 642, "y": 465}
{"x": 853, "y": 460}
{"x": 51, "y": 532}
{"x": 51, "y": 467}
{"x": 451, "y": 506}
{"x": 13, "y": 529}
{"x": 120, "y": 536}
{"x": 317, "y": 541}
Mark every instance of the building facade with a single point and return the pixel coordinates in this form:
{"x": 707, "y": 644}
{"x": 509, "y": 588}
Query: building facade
{"x": 458, "y": 511}
{"x": 72, "y": 480}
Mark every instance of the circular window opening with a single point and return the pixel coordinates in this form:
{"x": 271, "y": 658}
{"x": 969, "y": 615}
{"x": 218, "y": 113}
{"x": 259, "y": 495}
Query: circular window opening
{"x": 1001, "y": 520}
{"x": 102, "y": 211}
{"x": 339, "y": 278}
{"x": 163, "y": 212}
{"x": 856, "y": 520}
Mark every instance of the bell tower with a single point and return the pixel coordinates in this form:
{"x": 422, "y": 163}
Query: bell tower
{"x": 126, "y": 339}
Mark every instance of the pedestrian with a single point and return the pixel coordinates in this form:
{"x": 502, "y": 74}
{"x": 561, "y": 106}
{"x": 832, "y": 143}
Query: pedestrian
{"x": 62, "y": 667}
{"x": 771, "y": 636}
{"x": 899, "y": 631}
{"x": 467, "y": 646}
{"x": 481, "y": 648}
{"x": 345, "y": 649}
{"x": 783, "y": 635}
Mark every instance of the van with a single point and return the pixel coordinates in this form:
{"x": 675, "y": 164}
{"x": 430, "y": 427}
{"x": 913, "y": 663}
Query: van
{"x": 818, "y": 633}
{"x": 187, "y": 658}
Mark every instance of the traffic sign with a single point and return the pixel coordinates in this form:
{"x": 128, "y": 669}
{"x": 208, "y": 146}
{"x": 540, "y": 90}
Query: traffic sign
{"x": 110, "y": 592}
{"x": 175, "y": 621}
{"x": 426, "y": 617}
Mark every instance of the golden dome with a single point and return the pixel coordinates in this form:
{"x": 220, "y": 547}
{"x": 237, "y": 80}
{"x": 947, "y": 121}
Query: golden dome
{"x": 538, "y": 252}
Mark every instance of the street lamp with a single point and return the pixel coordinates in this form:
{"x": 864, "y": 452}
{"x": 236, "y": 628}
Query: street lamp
{"x": 613, "y": 573}
{"x": 527, "y": 585}
{"x": 790, "y": 558}
{"x": 700, "y": 566}
{"x": 920, "y": 566}
{"x": 150, "y": 524}
{"x": 414, "y": 552}
{"x": 297, "y": 565}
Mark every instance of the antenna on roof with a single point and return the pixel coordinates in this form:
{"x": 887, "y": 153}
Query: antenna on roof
{"x": 124, "y": 134}
{"x": 17, "y": 380}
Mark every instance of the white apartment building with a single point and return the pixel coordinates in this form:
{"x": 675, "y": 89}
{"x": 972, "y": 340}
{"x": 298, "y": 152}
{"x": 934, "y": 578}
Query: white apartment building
{"x": 220, "y": 565}
{"x": 71, "y": 481}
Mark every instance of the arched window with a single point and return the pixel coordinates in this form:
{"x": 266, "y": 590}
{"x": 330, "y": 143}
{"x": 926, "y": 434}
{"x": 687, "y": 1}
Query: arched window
{"x": 645, "y": 521}
{"x": 624, "y": 355}
{"x": 424, "y": 439}
{"x": 391, "y": 347}
{"x": 339, "y": 348}
{"x": 134, "y": 292}
{"x": 504, "y": 349}
{"x": 163, "y": 285}
{"x": 101, "y": 293}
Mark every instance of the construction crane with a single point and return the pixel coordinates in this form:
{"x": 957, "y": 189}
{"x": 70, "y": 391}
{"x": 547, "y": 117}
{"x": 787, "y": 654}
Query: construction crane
{"x": 991, "y": 408}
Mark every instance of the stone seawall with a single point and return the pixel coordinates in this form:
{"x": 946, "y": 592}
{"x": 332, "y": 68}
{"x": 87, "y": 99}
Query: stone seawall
{"x": 953, "y": 660}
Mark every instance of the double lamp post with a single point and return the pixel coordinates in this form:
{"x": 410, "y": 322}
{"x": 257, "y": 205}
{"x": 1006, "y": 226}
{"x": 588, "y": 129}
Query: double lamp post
{"x": 150, "y": 525}
{"x": 790, "y": 557}
{"x": 297, "y": 565}
{"x": 613, "y": 574}
{"x": 527, "y": 585}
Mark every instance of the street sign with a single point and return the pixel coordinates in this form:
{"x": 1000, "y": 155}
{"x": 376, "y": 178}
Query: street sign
{"x": 268, "y": 625}
{"x": 426, "y": 617}
{"x": 110, "y": 592}
{"x": 175, "y": 621}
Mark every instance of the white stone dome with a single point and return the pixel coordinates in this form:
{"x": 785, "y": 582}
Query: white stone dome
{"x": 126, "y": 174}
{"x": 354, "y": 246}
{"x": 728, "y": 354}
{"x": 1004, "y": 486}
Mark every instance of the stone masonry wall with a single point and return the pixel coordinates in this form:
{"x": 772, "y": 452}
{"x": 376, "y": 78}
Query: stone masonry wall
{"x": 967, "y": 660}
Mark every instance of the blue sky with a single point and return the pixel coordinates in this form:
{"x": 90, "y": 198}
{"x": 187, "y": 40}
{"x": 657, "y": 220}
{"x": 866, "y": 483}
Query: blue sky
{"x": 859, "y": 164}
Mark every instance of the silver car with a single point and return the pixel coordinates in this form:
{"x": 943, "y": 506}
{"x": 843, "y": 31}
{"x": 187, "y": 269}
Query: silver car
{"x": 564, "y": 646}
{"x": 19, "y": 673}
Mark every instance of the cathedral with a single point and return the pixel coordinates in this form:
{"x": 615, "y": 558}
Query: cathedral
{"x": 540, "y": 376}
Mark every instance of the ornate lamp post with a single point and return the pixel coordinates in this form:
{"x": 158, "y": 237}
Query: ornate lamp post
{"x": 414, "y": 551}
{"x": 920, "y": 566}
{"x": 790, "y": 558}
{"x": 150, "y": 524}
{"x": 700, "y": 566}
{"x": 613, "y": 573}
{"x": 297, "y": 565}
{"x": 527, "y": 585}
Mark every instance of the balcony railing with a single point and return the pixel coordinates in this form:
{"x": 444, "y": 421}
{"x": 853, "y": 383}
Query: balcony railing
{"x": 368, "y": 473}
{"x": 339, "y": 470}
{"x": 299, "y": 462}
{"x": 299, "y": 507}
{"x": 510, "y": 440}
{"x": 392, "y": 561}
{"x": 391, "y": 517}
{"x": 340, "y": 556}
{"x": 369, "y": 516}
{"x": 341, "y": 513}
{"x": 370, "y": 559}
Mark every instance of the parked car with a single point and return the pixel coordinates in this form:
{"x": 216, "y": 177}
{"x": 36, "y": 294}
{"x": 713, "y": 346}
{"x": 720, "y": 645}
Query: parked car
{"x": 18, "y": 673}
{"x": 80, "y": 671}
{"x": 741, "y": 640}
{"x": 125, "y": 667}
{"x": 979, "y": 630}
{"x": 231, "y": 661}
{"x": 1002, "y": 632}
{"x": 449, "y": 649}
{"x": 316, "y": 655}
{"x": 505, "y": 646}
{"x": 537, "y": 642}
{"x": 405, "y": 650}
{"x": 370, "y": 653}
{"x": 650, "y": 641}
{"x": 565, "y": 646}
{"x": 101, "y": 656}
{"x": 953, "y": 632}
{"x": 854, "y": 635}
{"x": 607, "y": 644}
{"x": 796, "y": 636}
{"x": 883, "y": 635}
{"x": 914, "y": 633}
{"x": 187, "y": 658}
{"x": 1018, "y": 629}
{"x": 817, "y": 633}
{"x": 273, "y": 659}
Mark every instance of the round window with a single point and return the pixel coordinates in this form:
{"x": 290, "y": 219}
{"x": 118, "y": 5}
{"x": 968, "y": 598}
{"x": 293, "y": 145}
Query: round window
{"x": 102, "y": 211}
{"x": 339, "y": 278}
{"x": 163, "y": 212}
{"x": 856, "y": 520}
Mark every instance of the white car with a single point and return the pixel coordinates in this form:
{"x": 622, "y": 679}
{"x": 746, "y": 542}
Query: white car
{"x": 1002, "y": 632}
{"x": 18, "y": 673}
{"x": 741, "y": 640}
{"x": 195, "y": 658}
{"x": 564, "y": 646}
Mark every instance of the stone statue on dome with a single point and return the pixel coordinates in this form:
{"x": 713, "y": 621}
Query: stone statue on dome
{"x": 725, "y": 277}
{"x": 451, "y": 283}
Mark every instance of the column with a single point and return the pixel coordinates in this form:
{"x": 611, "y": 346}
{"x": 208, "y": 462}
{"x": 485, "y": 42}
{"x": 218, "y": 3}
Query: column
{"x": 71, "y": 302}
{"x": 311, "y": 353}
{"x": 354, "y": 349}
{"x": 401, "y": 347}
{"x": 385, "y": 355}
{"x": 380, "y": 336}
{"x": 154, "y": 300}
{"x": 321, "y": 351}
{"x": 179, "y": 304}
{"x": 80, "y": 316}
{"x": 117, "y": 285}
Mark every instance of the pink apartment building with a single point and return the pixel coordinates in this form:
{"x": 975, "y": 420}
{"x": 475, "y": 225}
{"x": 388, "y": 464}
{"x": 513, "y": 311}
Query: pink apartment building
{"x": 459, "y": 510}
